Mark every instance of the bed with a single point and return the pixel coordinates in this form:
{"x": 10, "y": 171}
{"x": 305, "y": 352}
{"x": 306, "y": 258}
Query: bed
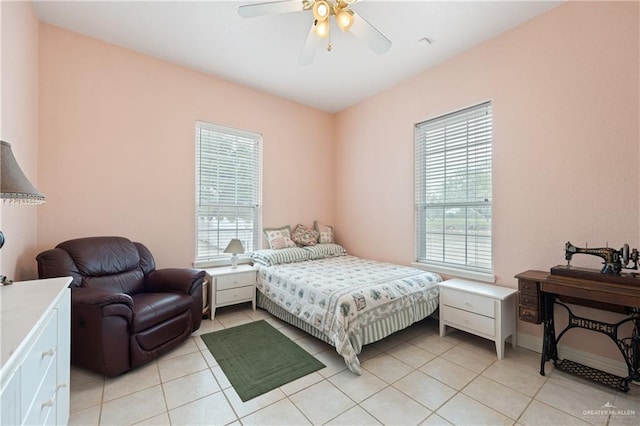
{"x": 344, "y": 300}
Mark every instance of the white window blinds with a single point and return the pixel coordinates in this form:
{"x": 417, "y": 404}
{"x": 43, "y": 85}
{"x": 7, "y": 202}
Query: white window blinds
{"x": 453, "y": 170}
{"x": 228, "y": 189}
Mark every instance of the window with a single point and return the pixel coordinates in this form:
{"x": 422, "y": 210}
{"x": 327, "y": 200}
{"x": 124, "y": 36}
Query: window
{"x": 228, "y": 189}
{"x": 453, "y": 199}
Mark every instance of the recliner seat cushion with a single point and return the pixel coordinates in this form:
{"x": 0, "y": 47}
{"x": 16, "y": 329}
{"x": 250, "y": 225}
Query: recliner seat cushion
{"x": 150, "y": 309}
{"x": 157, "y": 340}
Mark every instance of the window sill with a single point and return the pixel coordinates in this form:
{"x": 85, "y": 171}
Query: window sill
{"x": 221, "y": 261}
{"x": 457, "y": 273}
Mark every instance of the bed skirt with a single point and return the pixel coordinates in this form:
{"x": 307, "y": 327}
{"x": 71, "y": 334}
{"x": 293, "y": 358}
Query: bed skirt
{"x": 373, "y": 332}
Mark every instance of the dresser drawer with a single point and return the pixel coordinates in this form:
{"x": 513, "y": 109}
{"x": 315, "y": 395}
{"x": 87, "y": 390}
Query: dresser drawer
{"x": 42, "y": 409}
{"x": 466, "y": 320}
{"x": 40, "y": 360}
{"x": 235, "y": 294}
{"x": 241, "y": 279}
{"x": 469, "y": 302}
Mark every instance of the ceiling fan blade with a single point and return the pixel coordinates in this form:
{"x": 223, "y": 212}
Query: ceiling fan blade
{"x": 270, "y": 8}
{"x": 310, "y": 47}
{"x": 369, "y": 35}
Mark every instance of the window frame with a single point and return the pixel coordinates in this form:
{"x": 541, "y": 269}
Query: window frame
{"x": 482, "y": 146}
{"x": 222, "y": 259}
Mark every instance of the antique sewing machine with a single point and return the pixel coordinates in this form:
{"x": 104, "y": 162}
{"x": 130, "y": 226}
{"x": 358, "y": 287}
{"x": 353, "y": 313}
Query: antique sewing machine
{"x": 614, "y": 260}
{"x": 541, "y": 294}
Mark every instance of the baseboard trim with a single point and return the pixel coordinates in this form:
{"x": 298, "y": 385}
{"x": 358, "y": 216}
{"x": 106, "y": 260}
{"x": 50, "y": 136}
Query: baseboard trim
{"x": 534, "y": 343}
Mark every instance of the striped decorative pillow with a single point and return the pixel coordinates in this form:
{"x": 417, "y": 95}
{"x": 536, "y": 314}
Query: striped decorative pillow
{"x": 321, "y": 251}
{"x": 269, "y": 257}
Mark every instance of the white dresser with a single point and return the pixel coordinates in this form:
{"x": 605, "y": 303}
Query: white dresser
{"x": 35, "y": 322}
{"x": 482, "y": 309}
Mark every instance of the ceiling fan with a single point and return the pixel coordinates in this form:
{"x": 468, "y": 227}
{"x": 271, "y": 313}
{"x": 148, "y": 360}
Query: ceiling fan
{"x": 346, "y": 19}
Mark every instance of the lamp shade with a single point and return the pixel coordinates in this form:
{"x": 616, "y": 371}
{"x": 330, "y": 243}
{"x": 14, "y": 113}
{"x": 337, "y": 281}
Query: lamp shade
{"x": 14, "y": 185}
{"x": 235, "y": 247}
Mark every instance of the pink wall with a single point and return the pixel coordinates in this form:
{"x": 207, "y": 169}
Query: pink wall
{"x": 564, "y": 88}
{"x": 19, "y": 127}
{"x": 115, "y": 154}
{"x": 117, "y": 148}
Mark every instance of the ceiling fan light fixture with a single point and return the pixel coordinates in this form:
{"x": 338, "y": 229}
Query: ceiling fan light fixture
{"x": 322, "y": 28}
{"x": 321, "y": 10}
{"x": 344, "y": 19}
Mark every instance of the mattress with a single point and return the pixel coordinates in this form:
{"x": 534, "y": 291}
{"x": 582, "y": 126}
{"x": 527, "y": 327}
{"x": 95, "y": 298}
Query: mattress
{"x": 348, "y": 301}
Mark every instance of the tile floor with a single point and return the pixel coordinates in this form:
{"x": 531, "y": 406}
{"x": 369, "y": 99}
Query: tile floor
{"x": 411, "y": 378}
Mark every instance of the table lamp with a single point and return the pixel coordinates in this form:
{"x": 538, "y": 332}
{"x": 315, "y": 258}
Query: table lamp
{"x": 15, "y": 188}
{"x": 234, "y": 247}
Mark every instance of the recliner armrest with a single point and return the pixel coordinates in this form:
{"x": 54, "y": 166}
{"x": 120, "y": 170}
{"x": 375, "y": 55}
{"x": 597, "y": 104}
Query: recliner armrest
{"x": 183, "y": 280}
{"x": 104, "y": 303}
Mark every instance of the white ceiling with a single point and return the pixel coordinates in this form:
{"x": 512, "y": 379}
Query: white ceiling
{"x": 262, "y": 52}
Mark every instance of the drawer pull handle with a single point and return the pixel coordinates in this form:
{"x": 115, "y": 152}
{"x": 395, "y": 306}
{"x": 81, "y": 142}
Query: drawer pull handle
{"x": 48, "y": 352}
{"x": 48, "y": 403}
{"x": 61, "y": 386}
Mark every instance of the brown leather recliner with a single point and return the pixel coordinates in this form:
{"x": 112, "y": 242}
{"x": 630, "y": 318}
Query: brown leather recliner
{"x": 124, "y": 312}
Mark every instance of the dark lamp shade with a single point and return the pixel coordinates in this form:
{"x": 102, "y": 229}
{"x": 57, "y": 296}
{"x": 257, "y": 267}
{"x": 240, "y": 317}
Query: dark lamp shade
{"x": 235, "y": 247}
{"x": 14, "y": 185}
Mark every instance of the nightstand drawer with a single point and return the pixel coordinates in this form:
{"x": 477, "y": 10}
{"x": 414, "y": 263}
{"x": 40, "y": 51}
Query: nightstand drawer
{"x": 234, "y": 294}
{"x": 241, "y": 279}
{"x": 468, "y": 302}
{"x": 468, "y": 320}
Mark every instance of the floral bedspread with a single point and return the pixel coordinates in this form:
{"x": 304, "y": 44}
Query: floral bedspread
{"x": 341, "y": 295}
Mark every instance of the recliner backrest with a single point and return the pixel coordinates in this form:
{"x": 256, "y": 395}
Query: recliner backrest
{"x": 109, "y": 263}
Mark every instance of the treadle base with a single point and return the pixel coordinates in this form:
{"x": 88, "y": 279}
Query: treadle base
{"x": 592, "y": 374}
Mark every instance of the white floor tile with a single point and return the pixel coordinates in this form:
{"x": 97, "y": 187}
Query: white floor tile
{"x": 281, "y": 413}
{"x": 245, "y": 408}
{"x": 469, "y": 359}
{"x": 426, "y": 390}
{"x": 514, "y": 378}
{"x": 573, "y": 403}
{"x": 387, "y": 367}
{"x": 411, "y": 355}
{"x": 321, "y": 402}
{"x": 210, "y": 410}
{"x": 189, "y": 388}
{"x": 172, "y": 368}
{"x": 462, "y": 410}
{"x": 355, "y": 416}
{"x": 449, "y": 373}
{"x": 539, "y": 414}
{"x": 133, "y": 408}
{"x": 135, "y": 380}
{"x": 392, "y": 407}
{"x": 498, "y": 397}
{"x": 358, "y": 388}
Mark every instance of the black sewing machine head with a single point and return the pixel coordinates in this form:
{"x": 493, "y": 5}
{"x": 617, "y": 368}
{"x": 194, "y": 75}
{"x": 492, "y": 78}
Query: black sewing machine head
{"x": 614, "y": 260}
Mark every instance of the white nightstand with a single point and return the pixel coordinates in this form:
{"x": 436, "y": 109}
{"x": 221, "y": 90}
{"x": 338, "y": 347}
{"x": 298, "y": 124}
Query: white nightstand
{"x": 231, "y": 286}
{"x": 485, "y": 310}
